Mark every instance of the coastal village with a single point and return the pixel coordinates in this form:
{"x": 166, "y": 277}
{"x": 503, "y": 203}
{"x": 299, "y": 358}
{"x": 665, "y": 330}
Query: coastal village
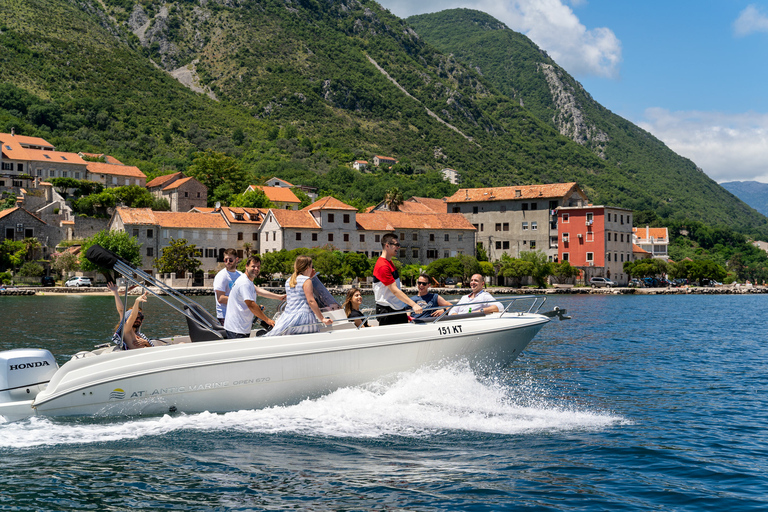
{"x": 556, "y": 219}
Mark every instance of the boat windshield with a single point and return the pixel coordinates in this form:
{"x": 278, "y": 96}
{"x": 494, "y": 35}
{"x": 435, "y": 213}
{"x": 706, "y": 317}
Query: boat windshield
{"x": 325, "y": 300}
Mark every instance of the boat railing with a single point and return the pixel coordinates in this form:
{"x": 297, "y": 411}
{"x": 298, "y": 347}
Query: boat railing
{"x": 536, "y": 303}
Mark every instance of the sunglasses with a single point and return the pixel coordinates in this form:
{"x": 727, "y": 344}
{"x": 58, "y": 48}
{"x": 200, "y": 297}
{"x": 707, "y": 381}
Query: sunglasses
{"x": 395, "y": 245}
{"x": 421, "y": 283}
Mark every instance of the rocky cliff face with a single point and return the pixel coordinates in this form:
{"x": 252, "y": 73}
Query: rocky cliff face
{"x": 569, "y": 120}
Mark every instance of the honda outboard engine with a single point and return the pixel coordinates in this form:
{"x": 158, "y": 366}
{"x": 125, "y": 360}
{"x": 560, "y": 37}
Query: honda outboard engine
{"x": 24, "y": 373}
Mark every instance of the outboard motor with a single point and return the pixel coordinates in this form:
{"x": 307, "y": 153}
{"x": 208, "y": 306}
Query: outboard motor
{"x": 24, "y": 373}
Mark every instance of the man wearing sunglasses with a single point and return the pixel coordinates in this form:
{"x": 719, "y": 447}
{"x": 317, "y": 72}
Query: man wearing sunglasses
{"x": 224, "y": 281}
{"x": 386, "y": 285}
{"x": 428, "y": 300}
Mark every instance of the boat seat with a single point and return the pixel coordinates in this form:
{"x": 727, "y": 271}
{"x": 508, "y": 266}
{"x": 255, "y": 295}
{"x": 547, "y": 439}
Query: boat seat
{"x": 197, "y": 333}
{"x": 444, "y": 318}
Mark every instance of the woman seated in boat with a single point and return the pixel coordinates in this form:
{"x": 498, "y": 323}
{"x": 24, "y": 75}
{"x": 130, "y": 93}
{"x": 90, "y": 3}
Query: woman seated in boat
{"x": 132, "y": 337}
{"x": 352, "y": 307}
{"x": 302, "y": 313}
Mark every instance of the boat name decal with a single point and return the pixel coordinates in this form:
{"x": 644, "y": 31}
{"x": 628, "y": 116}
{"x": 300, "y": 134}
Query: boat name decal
{"x": 119, "y": 394}
{"x": 22, "y": 366}
{"x": 449, "y": 329}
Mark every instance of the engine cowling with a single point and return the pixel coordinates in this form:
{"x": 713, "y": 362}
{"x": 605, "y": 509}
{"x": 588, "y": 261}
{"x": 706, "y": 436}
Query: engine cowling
{"x": 24, "y": 373}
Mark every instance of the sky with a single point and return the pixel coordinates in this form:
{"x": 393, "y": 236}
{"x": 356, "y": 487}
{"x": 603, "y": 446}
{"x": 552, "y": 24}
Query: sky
{"x": 694, "y": 73}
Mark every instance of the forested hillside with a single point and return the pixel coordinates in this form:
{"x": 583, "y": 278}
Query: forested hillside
{"x": 302, "y": 88}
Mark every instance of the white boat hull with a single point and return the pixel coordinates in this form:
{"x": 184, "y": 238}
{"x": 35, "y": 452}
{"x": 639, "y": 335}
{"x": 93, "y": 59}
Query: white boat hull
{"x": 220, "y": 376}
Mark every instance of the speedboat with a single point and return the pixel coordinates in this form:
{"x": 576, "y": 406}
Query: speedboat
{"x": 204, "y": 371}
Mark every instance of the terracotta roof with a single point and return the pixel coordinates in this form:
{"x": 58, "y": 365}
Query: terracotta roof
{"x": 466, "y": 195}
{"x": 328, "y": 203}
{"x": 638, "y": 249}
{"x": 276, "y": 194}
{"x": 361, "y": 161}
{"x": 160, "y": 180}
{"x": 9, "y": 211}
{"x": 646, "y": 233}
{"x": 250, "y": 215}
{"x": 424, "y": 205}
{"x": 184, "y": 220}
{"x": 14, "y": 151}
{"x": 116, "y": 170}
{"x": 136, "y": 215}
{"x": 179, "y": 183}
{"x": 295, "y": 218}
{"x": 107, "y": 159}
{"x": 25, "y": 140}
{"x": 391, "y": 221}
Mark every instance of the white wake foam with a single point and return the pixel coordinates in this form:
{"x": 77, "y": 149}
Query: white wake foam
{"x": 426, "y": 402}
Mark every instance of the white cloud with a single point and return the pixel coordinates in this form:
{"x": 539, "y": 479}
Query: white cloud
{"x": 728, "y": 147}
{"x": 551, "y": 24}
{"x": 750, "y": 20}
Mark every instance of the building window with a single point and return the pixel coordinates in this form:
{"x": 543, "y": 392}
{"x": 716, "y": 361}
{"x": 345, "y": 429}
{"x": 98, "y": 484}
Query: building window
{"x": 446, "y": 254}
{"x": 534, "y": 226}
{"x": 346, "y": 237}
{"x": 298, "y": 237}
{"x": 402, "y": 253}
{"x": 481, "y": 227}
{"x": 136, "y": 232}
{"x": 447, "y": 237}
{"x": 346, "y": 218}
{"x": 608, "y": 256}
{"x": 622, "y": 237}
{"x": 239, "y": 235}
{"x": 525, "y": 207}
{"x": 330, "y": 237}
{"x": 456, "y": 209}
{"x": 498, "y": 245}
{"x": 377, "y": 238}
{"x": 474, "y": 209}
{"x": 198, "y": 195}
{"x": 150, "y": 252}
{"x": 331, "y": 217}
{"x": 622, "y": 219}
{"x": 590, "y": 256}
{"x": 255, "y": 237}
{"x": 431, "y": 254}
{"x": 565, "y": 220}
{"x": 505, "y": 244}
{"x": 460, "y": 237}
{"x": 477, "y": 226}
{"x": 590, "y": 236}
{"x": 314, "y": 237}
{"x": 525, "y": 226}
{"x": 64, "y": 174}
{"x": 505, "y": 226}
{"x": 150, "y": 233}
{"x": 534, "y": 206}
{"x": 415, "y": 237}
{"x": 362, "y": 238}
{"x": 590, "y": 218}
{"x": 415, "y": 253}
{"x": 503, "y": 208}
{"x": 622, "y": 257}
{"x": 565, "y": 256}
{"x": 51, "y": 172}
{"x": 533, "y": 244}
{"x": 166, "y": 233}
{"x": 498, "y": 226}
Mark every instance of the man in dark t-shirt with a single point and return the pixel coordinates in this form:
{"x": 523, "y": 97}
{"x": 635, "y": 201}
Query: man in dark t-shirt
{"x": 386, "y": 285}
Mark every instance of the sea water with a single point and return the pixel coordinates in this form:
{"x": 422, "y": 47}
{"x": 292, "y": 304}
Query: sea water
{"x": 637, "y": 403}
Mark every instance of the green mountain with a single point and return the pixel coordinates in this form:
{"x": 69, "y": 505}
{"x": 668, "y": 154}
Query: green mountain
{"x": 517, "y": 68}
{"x": 300, "y": 88}
{"x": 754, "y": 193}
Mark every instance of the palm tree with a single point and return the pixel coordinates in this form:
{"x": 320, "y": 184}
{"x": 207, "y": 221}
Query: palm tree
{"x": 247, "y": 247}
{"x": 393, "y": 199}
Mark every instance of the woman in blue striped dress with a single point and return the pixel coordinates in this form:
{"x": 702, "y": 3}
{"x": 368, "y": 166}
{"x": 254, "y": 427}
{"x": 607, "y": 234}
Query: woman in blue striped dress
{"x": 301, "y": 313}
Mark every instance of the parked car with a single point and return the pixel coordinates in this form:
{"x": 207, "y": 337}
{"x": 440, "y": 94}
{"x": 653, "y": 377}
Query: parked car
{"x": 78, "y": 281}
{"x": 677, "y": 283}
{"x": 635, "y": 283}
{"x": 449, "y": 281}
{"x": 598, "y": 282}
{"x": 48, "y": 281}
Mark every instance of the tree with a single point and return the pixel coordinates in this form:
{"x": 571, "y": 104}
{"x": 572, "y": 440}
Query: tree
{"x": 563, "y": 272}
{"x": 410, "y": 273}
{"x": 515, "y": 268}
{"x": 119, "y": 242}
{"x": 12, "y": 253}
{"x": 31, "y": 269}
{"x": 355, "y": 265}
{"x": 301, "y": 196}
{"x": 393, "y": 199}
{"x": 252, "y": 199}
{"x": 31, "y": 245}
{"x": 480, "y": 253}
{"x": 542, "y": 268}
{"x": 64, "y": 262}
{"x": 222, "y": 174}
{"x": 646, "y": 267}
{"x": 445, "y": 267}
{"x": 178, "y": 257}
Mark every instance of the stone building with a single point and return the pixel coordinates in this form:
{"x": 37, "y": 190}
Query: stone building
{"x": 511, "y": 220}
{"x": 16, "y": 224}
{"x": 182, "y": 193}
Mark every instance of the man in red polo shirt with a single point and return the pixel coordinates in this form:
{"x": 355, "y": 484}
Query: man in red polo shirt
{"x": 386, "y": 285}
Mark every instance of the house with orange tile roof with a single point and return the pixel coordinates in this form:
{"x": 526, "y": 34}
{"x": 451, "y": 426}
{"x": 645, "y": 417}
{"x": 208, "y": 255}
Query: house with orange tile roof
{"x": 360, "y": 165}
{"x": 386, "y": 161}
{"x": 652, "y": 240}
{"x": 516, "y": 219}
{"x": 154, "y": 231}
{"x": 182, "y": 193}
{"x": 332, "y": 223}
{"x": 638, "y": 253}
{"x": 415, "y": 205}
{"x": 281, "y": 197}
{"x": 597, "y": 239}
{"x": 115, "y": 175}
{"x": 22, "y": 159}
{"x": 244, "y": 225}
{"x": 17, "y": 224}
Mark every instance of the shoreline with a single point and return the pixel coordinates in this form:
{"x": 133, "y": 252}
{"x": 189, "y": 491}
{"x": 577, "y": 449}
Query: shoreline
{"x": 341, "y": 290}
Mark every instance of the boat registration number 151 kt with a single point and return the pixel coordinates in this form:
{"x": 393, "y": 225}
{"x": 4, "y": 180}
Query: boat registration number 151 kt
{"x": 449, "y": 329}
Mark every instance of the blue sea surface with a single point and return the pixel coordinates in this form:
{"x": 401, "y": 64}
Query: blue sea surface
{"x": 637, "y": 403}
